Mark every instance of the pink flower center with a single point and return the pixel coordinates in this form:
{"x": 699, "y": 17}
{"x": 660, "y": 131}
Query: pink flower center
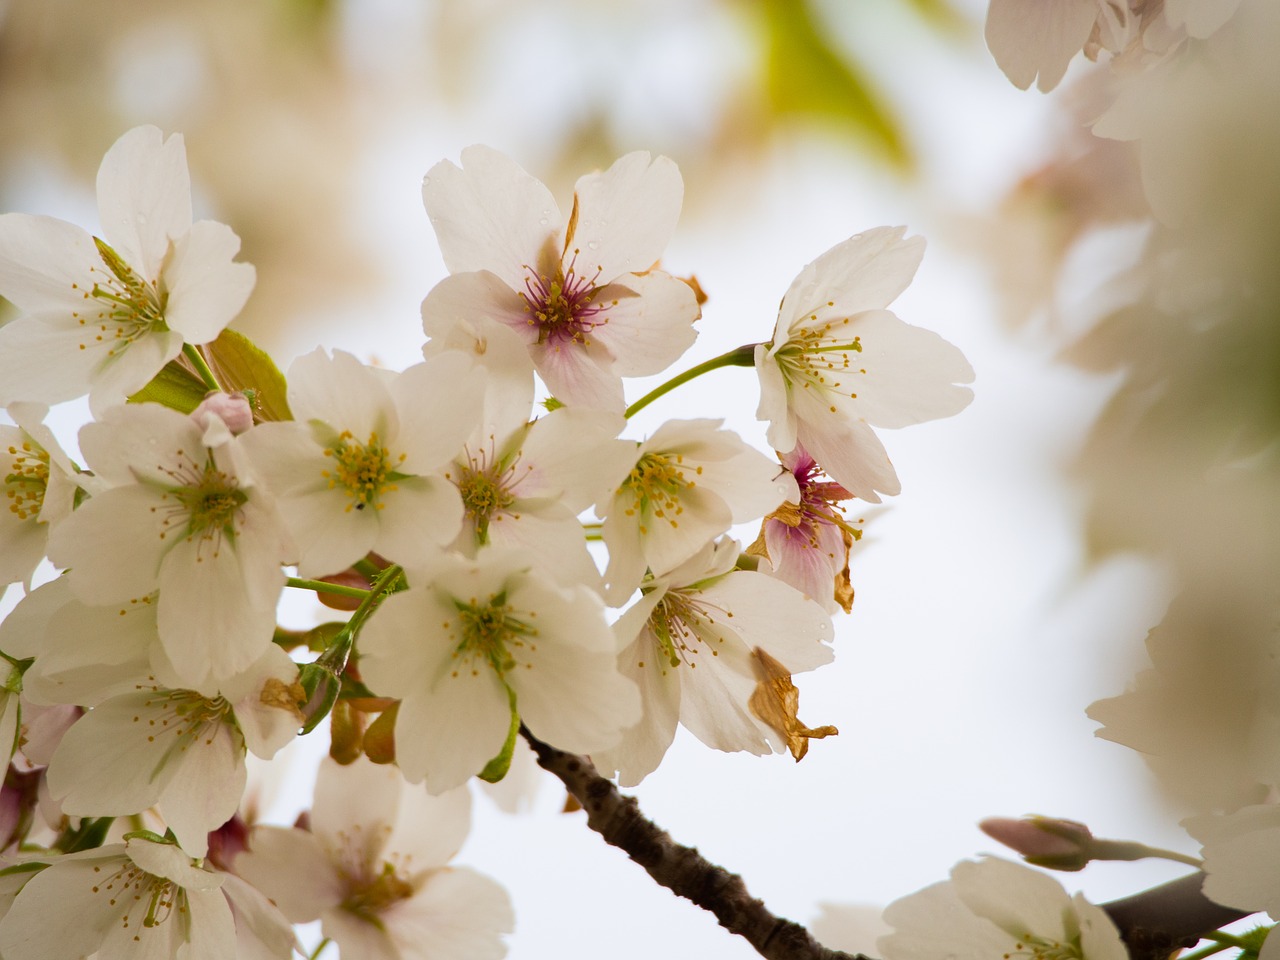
{"x": 563, "y": 307}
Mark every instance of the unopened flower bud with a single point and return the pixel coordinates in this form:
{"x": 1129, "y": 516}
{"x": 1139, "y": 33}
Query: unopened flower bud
{"x": 233, "y": 409}
{"x": 1044, "y": 841}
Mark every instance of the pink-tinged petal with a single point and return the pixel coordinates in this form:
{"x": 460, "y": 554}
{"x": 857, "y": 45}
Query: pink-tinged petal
{"x": 626, "y": 216}
{"x": 649, "y": 331}
{"x": 355, "y": 805}
{"x": 205, "y": 789}
{"x": 1029, "y": 37}
{"x": 491, "y": 215}
{"x": 848, "y": 450}
{"x": 46, "y": 266}
{"x": 579, "y": 374}
{"x": 458, "y": 915}
{"x": 342, "y": 394}
{"x": 421, "y": 515}
{"x": 910, "y": 373}
{"x": 808, "y": 566}
{"x": 114, "y": 542}
{"x": 462, "y": 297}
{"x": 207, "y": 288}
{"x": 866, "y": 272}
{"x": 429, "y": 438}
{"x": 291, "y": 867}
{"x": 41, "y": 360}
{"x": 144, "y": 197}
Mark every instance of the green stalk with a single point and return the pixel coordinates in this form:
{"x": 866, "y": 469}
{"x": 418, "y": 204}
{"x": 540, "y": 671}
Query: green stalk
{"x": 743, "y": 356}
{"x": 197, "y": 360}
{"x": 323, "y": 586}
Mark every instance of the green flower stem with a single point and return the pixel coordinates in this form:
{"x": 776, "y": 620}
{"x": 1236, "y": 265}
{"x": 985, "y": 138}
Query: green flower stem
{"x": 335, "y": 658}
{"x": 1126, "y": 850}
{"x": 197, "y": 360}
{"x": 1226, "y": 940}
{"x": 367, "y": 569}
{"x": 323, "y": 586}
{"x": 1205, "y": 952}
{"x": 743, "y": 356}
{"x": 320, "y": 948}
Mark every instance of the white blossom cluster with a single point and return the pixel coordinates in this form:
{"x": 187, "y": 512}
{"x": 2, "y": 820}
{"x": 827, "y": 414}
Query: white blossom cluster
{"x": 444, "y": 504}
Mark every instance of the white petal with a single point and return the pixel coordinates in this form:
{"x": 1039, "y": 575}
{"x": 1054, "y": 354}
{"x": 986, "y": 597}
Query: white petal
{"x": 571, "y": 455}
{"x": 421, "y": 515}
{"x": 430, "y": 830}
{"x": 207, "y": 289}
{"x": 205, "y": 789}
{"x": 1015, "y": 898}
{"x": 1029, "y": 37}
{"x": 354, "y": 809}
{"x": 427, "y": 438}
{"x": 342, "y": 393}
{"x": 46, "y": 265}
{"x": 41, "y": 360}
{"x": 934, "y": 922}
{"x": 291, "y": 867}
{"x": 114, "y": 542}
{"x": 770, "y": 614}
{"x": 849, "y": 451}
{"x": 649, "y": 331}
{"x": 643, "y": 746}
{"x": 626, "y": 215}
{"x": 458, "y": 915}
{"x": 490, "y": 215}
{"x": 144, "y": 197}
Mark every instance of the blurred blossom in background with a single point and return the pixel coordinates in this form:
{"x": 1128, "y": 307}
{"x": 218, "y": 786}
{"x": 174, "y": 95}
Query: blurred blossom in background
{"x": 1114, "y": 287}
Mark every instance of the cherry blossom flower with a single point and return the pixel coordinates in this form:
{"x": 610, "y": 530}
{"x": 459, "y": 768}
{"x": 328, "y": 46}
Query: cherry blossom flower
{"x": 358, "y": 470}
{"x": 993, "y": 908}
{"x": 690, "y": 482}
{"x": 39, "y": 487}
{"x": 179, "y": 750}
{"x": 1030, "y": 37}
{"x": 840, "y": 363}
{"x": 525, "y": 488}
{"x": 1240, "y": 850}
{"x": 688, "y": 644}
{"x": 104, "y": 315}
{"x": 582, "y": 294}
{"x": 373, "y": 869}
{"x": 183, "y": 514}
{"x": 139, "y": 900}
{"x": 468, "y": 639}
{"x": 806, "y": 542}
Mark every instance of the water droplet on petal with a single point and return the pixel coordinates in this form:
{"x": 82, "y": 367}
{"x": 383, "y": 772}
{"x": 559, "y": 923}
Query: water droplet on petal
{"x": 594, "y": 244}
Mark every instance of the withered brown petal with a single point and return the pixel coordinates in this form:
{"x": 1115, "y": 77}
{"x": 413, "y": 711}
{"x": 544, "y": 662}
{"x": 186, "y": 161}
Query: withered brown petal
{"x": 776, "y": 702}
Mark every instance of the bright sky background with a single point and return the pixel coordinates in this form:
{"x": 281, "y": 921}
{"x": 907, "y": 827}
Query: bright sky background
{"x": 979, "y": 633}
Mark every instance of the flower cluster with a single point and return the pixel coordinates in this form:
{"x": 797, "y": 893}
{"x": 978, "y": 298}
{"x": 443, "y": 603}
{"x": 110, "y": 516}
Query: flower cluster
{"x": 435, "y": 504}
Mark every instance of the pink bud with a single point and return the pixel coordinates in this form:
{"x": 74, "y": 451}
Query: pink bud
{"x": 231, "y": 408}
{"x": 1043, "y": 841}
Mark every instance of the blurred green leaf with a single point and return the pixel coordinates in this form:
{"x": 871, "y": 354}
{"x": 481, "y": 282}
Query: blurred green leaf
{"x": 939, "y": 14}
{"x": 239, "y": 364}
{"x": 175, "y": 386}
{"x": 806, "y": 76}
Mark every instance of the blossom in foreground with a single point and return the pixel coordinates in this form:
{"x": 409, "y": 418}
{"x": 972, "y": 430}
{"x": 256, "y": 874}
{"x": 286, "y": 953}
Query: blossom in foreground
{"x": 524, "y": 484}
{"x": 180, "y": 750}
{"x": 357, "y": 470}
{"x": 373, "y": 869}
{"x": 994, "y": 908}
{"x": 37, "y": 480}
{"x": 470, "y": 641}
{"x": 840, "y": 363}
{"x": 690, "y": 482}
{"x": 688, "y": 643}
{"x": 183, "y": 515}
{"x": 102, "y": 316}
{"x": 1240, "y": 850}
{"x": 582, "y": 294}
{"x": 806, "y": 542}
{"x": 138, "y": 900}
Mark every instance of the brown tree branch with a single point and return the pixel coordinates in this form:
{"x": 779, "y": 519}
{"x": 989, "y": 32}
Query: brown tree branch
{"x": 1156, "y": 922}
{"x": 684, "y": 871}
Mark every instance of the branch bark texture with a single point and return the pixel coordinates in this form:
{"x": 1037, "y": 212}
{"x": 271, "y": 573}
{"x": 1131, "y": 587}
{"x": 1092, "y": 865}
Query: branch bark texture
{"x": 684, "y": 871}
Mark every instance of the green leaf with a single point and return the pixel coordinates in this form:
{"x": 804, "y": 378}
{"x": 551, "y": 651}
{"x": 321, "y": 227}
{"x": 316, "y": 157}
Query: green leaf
{"x": 497, "y": 768}
{"x": 806, "y": 76}
{"x": 240, "y": 365}
{"x": 175, "y": 387}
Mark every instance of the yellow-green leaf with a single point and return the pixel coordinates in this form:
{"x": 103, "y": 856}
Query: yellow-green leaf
{"x": 175, "y": 386}
{"x": 239, "y": 364}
